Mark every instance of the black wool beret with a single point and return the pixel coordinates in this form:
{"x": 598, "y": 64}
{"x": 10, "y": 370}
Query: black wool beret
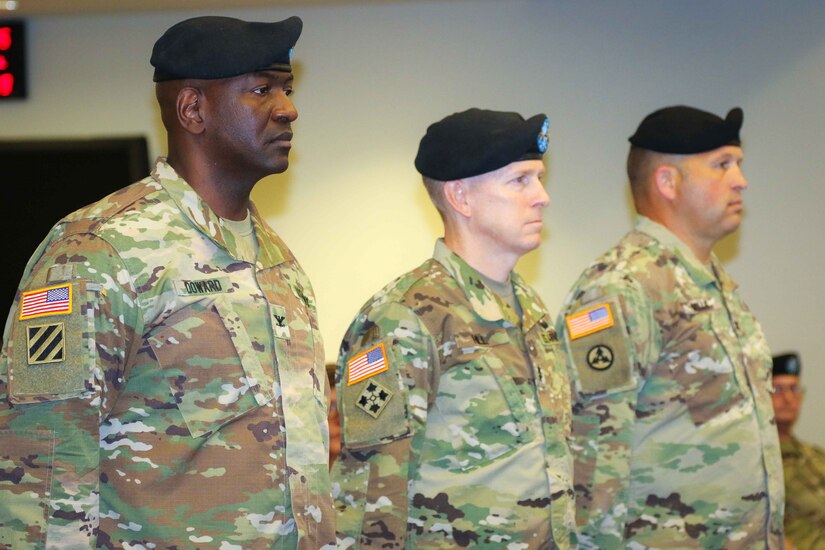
{"x": 213, "y": 47}
{"x": 685, "y": 130}
{"x": 477, "y": 141}
{"x": 787, "y": 363}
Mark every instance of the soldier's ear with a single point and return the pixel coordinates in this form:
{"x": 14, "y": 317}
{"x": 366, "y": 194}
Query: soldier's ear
{"x": 666, "y": 179}
{"x": 189, "y": 109}
{"x": 456, "y": 194}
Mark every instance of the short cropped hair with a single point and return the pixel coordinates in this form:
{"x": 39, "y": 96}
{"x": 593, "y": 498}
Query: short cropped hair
{"x": 435, "y": 189}
{"x": 641, "y": 163}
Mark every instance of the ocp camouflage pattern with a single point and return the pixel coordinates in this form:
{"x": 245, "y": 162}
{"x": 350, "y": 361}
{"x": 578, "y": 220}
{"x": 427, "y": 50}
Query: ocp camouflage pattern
{"x": 166, "y": 424}
{"x": 675, "y": 441}
{"x": 470, "y": 449}
{"x": 804, "y": 466}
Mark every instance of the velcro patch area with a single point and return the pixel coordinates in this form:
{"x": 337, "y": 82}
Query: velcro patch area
{"x": 598, "y": 349}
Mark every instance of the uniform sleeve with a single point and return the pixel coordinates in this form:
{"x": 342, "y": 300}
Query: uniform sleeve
{"x": 384, "y": 383}
{"x": 607, "y": 333}
{"x": 62, "y": 365}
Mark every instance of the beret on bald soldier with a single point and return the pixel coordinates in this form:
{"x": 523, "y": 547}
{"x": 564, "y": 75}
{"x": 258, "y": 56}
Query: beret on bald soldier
{"x": 477, "y": 141}
{"x": 683, "y": 130}
{"x": 214, "y": 47}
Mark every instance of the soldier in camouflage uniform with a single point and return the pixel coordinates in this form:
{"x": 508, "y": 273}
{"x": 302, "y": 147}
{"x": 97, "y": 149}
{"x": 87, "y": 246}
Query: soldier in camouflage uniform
{"x": 452, "y": 392}
{"x": 162, "y": 375}
{"x": 674, "y": 434}
{"x": 804, "y": 464}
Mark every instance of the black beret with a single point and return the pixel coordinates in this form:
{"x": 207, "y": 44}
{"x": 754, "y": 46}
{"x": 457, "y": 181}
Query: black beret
{"x": 477, "y": 141}
{"x": 213, "y": 47}
{"x": 787, "y": 363}
{"x": 685, "y": 130}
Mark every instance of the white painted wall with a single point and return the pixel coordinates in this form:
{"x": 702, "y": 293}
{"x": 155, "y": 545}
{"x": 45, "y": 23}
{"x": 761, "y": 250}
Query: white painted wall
{"x": 371, "y": 77}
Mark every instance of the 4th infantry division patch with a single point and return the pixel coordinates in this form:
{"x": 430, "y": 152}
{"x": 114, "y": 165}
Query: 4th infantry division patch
{"x": 373, "y": 399}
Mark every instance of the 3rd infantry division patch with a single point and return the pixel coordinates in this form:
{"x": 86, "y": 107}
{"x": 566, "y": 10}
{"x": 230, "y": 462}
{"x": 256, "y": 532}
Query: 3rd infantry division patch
{"x": 46, "y": 343}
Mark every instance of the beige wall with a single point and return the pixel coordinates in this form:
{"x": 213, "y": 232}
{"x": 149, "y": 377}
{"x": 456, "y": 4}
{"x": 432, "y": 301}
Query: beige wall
{"x": 372, "y": 76}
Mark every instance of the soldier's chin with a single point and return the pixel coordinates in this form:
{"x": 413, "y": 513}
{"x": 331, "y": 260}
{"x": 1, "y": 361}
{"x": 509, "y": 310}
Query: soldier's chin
{"x": 532, "y": 243}
{"x": 280, "y": 166}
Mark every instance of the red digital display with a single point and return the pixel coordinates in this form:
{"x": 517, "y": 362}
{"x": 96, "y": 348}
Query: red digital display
{"x": 12, "y": 60}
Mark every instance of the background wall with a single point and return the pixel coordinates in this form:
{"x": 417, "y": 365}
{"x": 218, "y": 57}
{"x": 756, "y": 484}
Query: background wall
{"x": 371, "y": 77}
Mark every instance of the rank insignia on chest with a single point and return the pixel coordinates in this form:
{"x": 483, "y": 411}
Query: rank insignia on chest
{"x": 373, "y": 398}
{"x": 280, "y": 323}
{"x": 548, "y": 334}
{"x": 366, "y": 364}
{"x": 589, "y": 321}
{"x": 45, "y": 343}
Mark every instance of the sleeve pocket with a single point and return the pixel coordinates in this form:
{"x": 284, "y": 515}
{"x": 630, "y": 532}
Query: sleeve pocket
{"x": 52, "y": 355}
{"x": 375, "y": 410}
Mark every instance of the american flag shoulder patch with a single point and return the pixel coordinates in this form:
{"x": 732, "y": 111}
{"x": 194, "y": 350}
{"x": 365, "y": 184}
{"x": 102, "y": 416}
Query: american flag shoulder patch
{"x": 52, "y": 300}
{"x": 589, "y": 321}
{"x": 367, "y": 363}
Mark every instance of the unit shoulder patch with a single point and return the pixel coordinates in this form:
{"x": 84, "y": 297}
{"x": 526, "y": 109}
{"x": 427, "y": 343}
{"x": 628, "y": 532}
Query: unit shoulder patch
{"x": 52, "y": 343}
{"x": 598, "y": 348}
{"x": 372, "y": 397}
{"x": 45, "y": 343}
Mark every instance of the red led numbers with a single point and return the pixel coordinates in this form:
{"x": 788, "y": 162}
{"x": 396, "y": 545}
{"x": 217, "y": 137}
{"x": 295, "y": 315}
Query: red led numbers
{"x": 6, "y": 79}
{"x": 5, "y": 38}
{"x": 12, "y": 55}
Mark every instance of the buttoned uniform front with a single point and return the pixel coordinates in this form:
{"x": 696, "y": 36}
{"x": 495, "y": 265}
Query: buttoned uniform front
{"x": 674, "y": 436}
{"x": 190, "y": 408}
{"x": 470, "y": 448}
{"x": 804, "y": 494}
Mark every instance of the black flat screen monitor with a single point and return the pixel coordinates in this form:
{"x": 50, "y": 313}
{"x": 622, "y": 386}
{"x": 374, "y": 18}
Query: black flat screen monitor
{"x": 41, "y": 181}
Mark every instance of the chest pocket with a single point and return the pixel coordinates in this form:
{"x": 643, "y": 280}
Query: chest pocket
{"x": 212, "y": 369}
{"x": 700, "y": 355}
{"x": 480, "y": 413}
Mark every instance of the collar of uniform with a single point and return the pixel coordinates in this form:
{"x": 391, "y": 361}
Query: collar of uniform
{"x": 271, "y": 249}
{"x": 485, "y": 302}
{"x": 209, "y": 223}
{"x": 532, "y": 308}
{"x": 701, "y": 273}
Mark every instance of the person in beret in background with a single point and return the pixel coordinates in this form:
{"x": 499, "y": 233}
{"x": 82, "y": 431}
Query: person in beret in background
{"x": 804, "y": 464}
{"x": 162, "y": 379}
{"x": 452, "y": 392}
{"x": 674, "y": 433}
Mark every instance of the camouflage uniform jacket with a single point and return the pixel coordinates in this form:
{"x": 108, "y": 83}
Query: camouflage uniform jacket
{"x": 151, "y": 409}
{"x": 462, "y": 440}
{"x": 804, "y": 494}
{"x": 674, "y": 436}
